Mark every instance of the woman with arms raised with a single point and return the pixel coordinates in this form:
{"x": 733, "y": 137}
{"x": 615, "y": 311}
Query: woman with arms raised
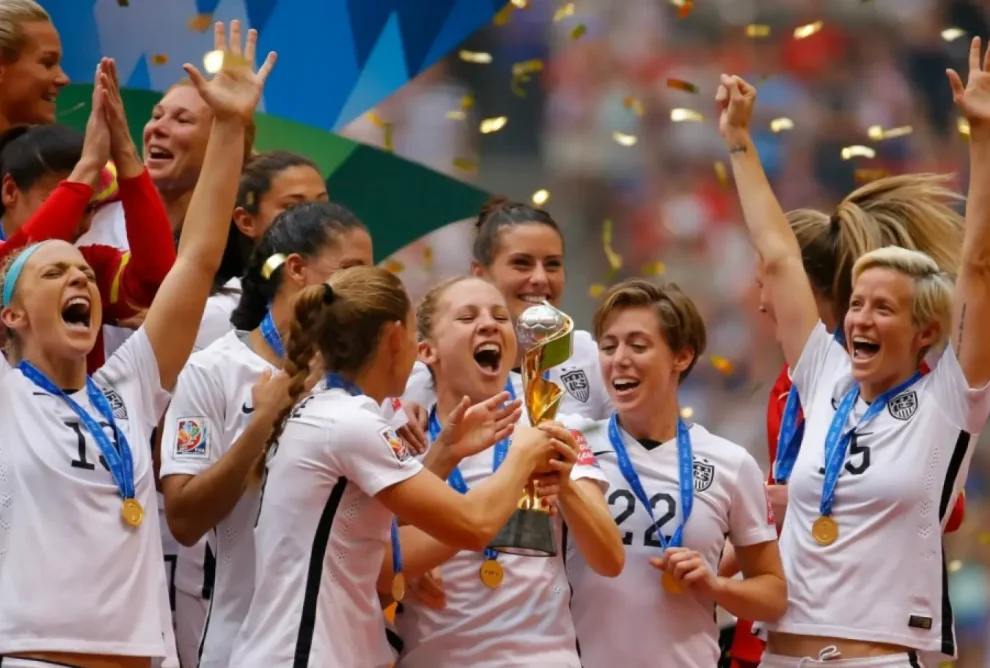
{"x": 336, "y": 472}
{"x": 885, "y": 448}
{"x": 676, "y": 491}
{"x": 519, "y": 616}
{"x": 106, "y": 610}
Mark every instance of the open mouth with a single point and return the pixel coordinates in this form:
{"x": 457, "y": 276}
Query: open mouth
{"x": 50, "y": 97}
{"x": 76, "y": 314}
{"x": 624, "y": 386}
{"x": 534, "y": 299}
{"x": 863, "y": 348}
{"x": 159, "y": 153}
{"x": 488, "y": 356}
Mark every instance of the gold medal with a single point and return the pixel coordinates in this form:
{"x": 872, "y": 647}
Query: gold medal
{"x": 671, "y": 584}
{"x": 132, "y": 512}
{"x": 491, "y": 573}
{"x": 398, "y": 587}
{"x": 825, "y": 530}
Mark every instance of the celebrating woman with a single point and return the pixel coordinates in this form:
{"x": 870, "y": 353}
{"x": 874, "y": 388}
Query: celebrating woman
{"x": 876, "y": 469}
{"x": 521, "y": 250}
{"x": 227, "y": 400}
{"x": 676, "y": 492}
{"x": 92, "y": 463}
{"x": 336, "y": 473}
{"x": 501, "y": 609}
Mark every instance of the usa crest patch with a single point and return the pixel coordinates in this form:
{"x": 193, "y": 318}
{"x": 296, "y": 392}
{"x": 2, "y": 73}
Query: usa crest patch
{"x": 191, "y": 439}
{"x": 395, "y": 444}
{"x": 116, "y": 403}
{"x": 903, "y": 406}
{"x": 576, "y": 382}
{"x": 704, "y": 475}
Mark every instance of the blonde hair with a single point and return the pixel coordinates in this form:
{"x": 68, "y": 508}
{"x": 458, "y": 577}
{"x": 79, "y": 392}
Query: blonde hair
{"x": 932, "y": 298}
{"x": 426, "y": 311}
{"x": 913, "y": 211}
{"x": 680, "y": 323}
{"x": 14, "y": 13}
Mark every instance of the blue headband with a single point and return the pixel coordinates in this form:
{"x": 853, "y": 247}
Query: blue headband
{"x": 16, "y": 267}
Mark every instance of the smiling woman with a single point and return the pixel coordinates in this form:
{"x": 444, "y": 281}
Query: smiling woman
{"x": 30, "y": 70}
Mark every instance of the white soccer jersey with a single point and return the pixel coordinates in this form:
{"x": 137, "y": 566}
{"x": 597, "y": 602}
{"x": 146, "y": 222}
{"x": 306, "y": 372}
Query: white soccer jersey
{"x": 523, "y": 622}
{"x": 210, "y": 409}
{"x": 74, "y": 577}
{"x": 580, "y": 376}
{"x": 321, "y": 536}
{"x": 630, "y": 620}
{"x": 903, "y": 469}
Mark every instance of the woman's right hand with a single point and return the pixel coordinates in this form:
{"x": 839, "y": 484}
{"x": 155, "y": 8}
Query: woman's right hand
{"x": 96, "y": 145}
{"x": 539, "y": 447}
{"x": 735, "y": 99}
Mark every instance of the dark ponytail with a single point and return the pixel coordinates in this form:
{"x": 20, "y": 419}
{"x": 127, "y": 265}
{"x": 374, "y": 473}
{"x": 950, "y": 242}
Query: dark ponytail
{"x": 29, "y": 154}
{"x": 498, "y": 213}
{"x": 303, "y": 230}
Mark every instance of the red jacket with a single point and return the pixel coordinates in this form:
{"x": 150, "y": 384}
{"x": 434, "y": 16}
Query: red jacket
{"x": 745, "y": 646}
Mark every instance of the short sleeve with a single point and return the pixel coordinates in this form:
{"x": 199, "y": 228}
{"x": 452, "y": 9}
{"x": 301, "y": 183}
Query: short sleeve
{"x": 132, "y": 371}
{"x": 394, "y": 414}
{"x": 599, "y": 403}
{"x": 587, "y": 467}
{"x": 369, "y": 453}
{"x": 419, "y": 387}
{"x": 967, "y": 407}
{"x": 192, "y": 431}
{"x": 820, "y": 360}
{"x": 751, "y": 518}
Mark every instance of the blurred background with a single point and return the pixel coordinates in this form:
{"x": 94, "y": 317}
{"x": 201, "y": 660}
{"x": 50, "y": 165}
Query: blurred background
{"x": 597, "y": 68}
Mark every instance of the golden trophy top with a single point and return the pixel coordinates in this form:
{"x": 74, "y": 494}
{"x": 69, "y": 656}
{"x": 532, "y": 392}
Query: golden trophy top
{"x": 545, "y": 333}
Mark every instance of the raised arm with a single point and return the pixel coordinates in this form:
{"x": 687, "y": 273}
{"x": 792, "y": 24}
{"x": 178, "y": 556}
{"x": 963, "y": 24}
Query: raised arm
{"x": 233, "y": 94}
{"x": 771, "y": 235}
{"x": 971, "y": 312}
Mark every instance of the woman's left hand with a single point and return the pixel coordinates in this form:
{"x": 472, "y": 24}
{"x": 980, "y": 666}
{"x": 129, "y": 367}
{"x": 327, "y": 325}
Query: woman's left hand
{"x": 413, "y": 432}
{"x": 565, "y": 464}
{"x": 236, "y": 88}
{"x": 548, "y": 488}
{"x": 688, "y": 567}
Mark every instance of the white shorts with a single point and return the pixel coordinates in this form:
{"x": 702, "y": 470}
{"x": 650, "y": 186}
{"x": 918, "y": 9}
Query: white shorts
{"x": 189, "y": 617}
{"x": 909, "y": 660}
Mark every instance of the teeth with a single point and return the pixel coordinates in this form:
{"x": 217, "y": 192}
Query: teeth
{"x": 534, "y": 299}
{"x": 82, "y": 301}
{"x": 488, "y": 347}
{"x": 860, "y": 339}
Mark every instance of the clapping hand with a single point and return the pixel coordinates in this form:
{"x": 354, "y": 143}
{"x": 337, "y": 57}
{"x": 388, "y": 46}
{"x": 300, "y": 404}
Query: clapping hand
{"x": 973, "y": 99}
{"x": 473, "y": 429}
{"x": 122, "y": 148}
{"x": 236, "y": 88}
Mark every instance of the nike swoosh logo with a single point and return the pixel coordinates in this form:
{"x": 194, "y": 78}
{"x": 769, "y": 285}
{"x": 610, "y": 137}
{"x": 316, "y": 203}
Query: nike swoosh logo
{"x": 247, "y": 410}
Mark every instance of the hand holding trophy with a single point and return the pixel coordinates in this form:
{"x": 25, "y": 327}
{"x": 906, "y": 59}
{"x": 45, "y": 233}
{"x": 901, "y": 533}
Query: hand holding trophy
{"x": 545, "y": 334}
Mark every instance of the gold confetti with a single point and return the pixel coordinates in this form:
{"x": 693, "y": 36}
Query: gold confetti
{"x": 213, "y": 61}
{"x": 577, "y": 32}
{"x": 952, "y": 34}
{"x": 633, "y": 103}
{"x": 521, "y": 72}
{"x": 596, "y": 290}
{"x": 807, "y": 30}
{"x": 201, "y": 22}
{"x": 680, "y": 84}
{"x": 757, "y": 30}
{"x": 684, "y": 7}
{"x": 387, "y": 139}
{"x": 428, "y": 258}
{"x": 521, "y": 4}
{"x": 159, "y": 59}
{"x": 504, "y": 15}
{"x": 541, "y": 196}
{"x": 479, "y": 57}
{"x": 955, "y": 566}
{"x": 623, "y": 139}
{"x": 877, "y": 133}
{"x": 456, "y": 115}
{"x": 466, "y": 164}
{"x": 984, "y": 538}
{"x": 490, "y": 125}
{"x": 687, "y": 412}
{"x": 864, "y": 176}
{"x": 722, "y": 174}
{"x": 963, "y": 126}
{"x": 653, "y": 269}
{"x": 614, "y": 259}
{"x": 722, "y": 365}
{"x": 858, "y": 151}
{"x": 375, "y": 119}
{"x": 781, "y": 124}
{"x": 563, "y": 12}
{"x": 467, "y": 101}
{"x": 394, "y": 266}
{"x": 681, "y": 115}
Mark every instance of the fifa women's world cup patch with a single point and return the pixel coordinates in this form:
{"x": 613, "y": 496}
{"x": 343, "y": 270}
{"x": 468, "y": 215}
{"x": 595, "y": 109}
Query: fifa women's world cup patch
{"x": 192, "y": 438}
{"x": 395, "y": 444}
{"x": 771, "y": 520}
{"x": 585, "y": 456}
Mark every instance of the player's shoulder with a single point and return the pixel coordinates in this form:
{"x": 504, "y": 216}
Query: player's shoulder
{"x": 221, "y": 357}
{"x": 583, "y": 346}
{"x": 707, "y": 445}
{"x": 346, "y": 415}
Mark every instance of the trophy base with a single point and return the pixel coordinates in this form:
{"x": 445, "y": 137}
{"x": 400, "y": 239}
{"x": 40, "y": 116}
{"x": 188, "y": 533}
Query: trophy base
{"x": 528, "y": 533}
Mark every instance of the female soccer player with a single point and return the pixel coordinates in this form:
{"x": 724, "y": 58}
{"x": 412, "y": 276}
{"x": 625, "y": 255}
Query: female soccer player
{"x": 881, "y": 482}
{"x": 32, "y": 73}
{"x": 226, "y": 402}
{"x": 521, "y": 250}
{"x": 676, "y": 492}
{"x": 337, "y": 472}
{"x": 90, "y": 459}
{"x": 501, "y": 609}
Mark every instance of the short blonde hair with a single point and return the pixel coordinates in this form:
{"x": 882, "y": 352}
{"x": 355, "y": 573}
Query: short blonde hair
{"x": 932, "y": 299}
{"x": 12, "y": 14}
